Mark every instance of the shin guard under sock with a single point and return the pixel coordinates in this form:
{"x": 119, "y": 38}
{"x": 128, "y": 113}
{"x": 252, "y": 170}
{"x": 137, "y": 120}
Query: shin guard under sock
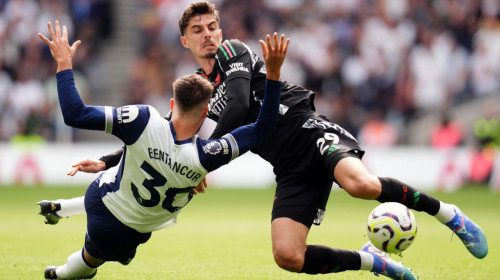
{"x": 322, "y": 259}
{"x": 395, "y": 191}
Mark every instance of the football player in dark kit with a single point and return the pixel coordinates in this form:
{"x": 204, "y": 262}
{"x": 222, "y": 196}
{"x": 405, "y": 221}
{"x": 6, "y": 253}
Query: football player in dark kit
{"x": 308, "y": 154}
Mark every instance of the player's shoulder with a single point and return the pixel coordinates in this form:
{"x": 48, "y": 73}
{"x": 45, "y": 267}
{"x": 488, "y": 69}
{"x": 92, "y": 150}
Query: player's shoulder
{"x": 152, "y": 110}
{"x": 132, "y": 113}
{"x": 232, "y": 48}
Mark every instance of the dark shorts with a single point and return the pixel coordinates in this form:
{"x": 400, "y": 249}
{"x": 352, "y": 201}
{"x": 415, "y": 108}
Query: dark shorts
{"x": 107, "y": 238}
{"x": 305, "y": 161}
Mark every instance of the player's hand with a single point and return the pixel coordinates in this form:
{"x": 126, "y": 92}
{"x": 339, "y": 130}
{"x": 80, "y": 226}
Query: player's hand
{"x": 274, "y": 53}
{"x": 201, "y": 187}
{"x": 60, "y": 49}
{"x": 87, "y": 166}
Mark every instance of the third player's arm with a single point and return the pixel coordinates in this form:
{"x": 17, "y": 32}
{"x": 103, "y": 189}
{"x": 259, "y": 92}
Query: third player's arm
{"x": 235, "y": 111}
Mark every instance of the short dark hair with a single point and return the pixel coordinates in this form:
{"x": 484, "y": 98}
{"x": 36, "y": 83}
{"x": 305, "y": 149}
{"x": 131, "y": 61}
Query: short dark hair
{"x": 191, "y": 90}
{"x": 195, "y": 9}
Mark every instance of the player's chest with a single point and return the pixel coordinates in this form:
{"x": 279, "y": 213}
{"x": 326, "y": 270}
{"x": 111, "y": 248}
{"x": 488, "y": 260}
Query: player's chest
{"x": 219, "y": 96}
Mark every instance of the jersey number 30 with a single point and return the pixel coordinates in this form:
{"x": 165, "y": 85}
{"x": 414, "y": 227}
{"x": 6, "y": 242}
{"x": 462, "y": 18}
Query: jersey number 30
{"x": 158, "y": 181}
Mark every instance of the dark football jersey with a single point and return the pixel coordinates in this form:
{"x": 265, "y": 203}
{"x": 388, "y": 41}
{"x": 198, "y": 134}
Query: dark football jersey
{"x": 234, "y": 59}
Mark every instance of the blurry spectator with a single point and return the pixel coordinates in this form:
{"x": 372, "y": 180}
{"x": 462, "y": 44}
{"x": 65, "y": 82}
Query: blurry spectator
{"x": 25, "y": 65}
{"x": 446, "y": 134}
{"x": 27, "y": 94}
{"x": 487, "y": 128}
{"x": 377, "y": 131}
{"x": 150, "y": 78}
{"x": 481, "y": 165}
{"x": 26, "y": 142}
{"x": 5, "y": 87}
{"x": 428, "y": 74}
{"x": 54, "y": 9}
{"x": 483, "y": 64}
{"x": 21, "y": 16}
{"x": 487, "y": 132}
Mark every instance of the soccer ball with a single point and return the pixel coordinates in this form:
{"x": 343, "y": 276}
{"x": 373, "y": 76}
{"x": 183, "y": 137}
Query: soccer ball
{"x": 392, "y": 227}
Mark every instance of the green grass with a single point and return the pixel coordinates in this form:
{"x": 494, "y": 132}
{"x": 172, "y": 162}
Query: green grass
{"x": 225, "y": 234}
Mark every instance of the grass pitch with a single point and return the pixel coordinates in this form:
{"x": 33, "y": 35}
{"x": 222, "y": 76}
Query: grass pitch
{"x": 225, "y": 234}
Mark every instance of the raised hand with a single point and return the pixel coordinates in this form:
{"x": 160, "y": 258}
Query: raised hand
{"x": 274, "y": 54}
{"x": 60, "y": 49}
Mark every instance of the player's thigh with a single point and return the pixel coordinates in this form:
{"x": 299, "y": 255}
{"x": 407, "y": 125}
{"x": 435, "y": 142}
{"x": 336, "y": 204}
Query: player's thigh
{"x": 288, "y": 236}
{"x": 351, "y": 174}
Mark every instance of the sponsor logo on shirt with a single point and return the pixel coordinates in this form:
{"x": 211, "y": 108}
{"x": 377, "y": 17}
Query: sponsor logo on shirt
{"x": 235, "y": 67}
{"x": 225, "y": 146}
{"x": 218, "y": 100}
{"x": 127, "y": 114}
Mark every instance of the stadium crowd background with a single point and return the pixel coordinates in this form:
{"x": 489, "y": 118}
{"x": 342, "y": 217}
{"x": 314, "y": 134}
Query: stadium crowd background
{"x": 373, "y": 64}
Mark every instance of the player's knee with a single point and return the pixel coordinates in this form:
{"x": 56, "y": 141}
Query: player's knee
{"x": 365, "y": 187}
{"x": 288, "y": 258}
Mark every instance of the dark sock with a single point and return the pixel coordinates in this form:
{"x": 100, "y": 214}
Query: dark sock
{"x": 321, "y": 259}
{"x": 395, "y": 191}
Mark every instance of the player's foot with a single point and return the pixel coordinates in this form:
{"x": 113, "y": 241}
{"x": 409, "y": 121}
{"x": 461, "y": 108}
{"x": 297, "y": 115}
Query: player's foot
{"x": 383, "y": 264}
{"x": 471, "y": 234}
{"x": 49, "y": 209}
{"x": 50, "y": 273}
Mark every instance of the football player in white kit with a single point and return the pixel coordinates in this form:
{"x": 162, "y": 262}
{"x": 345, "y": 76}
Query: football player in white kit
{"x": 163, "y": 160}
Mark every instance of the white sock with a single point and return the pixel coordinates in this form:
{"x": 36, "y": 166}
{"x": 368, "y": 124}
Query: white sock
{"x": 446, "y": 212}
{"x": 74, "y": 268}
{"x": 366, "y": 260}
{"x": 72, "y": 206}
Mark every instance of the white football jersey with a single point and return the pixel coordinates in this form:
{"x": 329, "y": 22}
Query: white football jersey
{"x": 157, "y": 173}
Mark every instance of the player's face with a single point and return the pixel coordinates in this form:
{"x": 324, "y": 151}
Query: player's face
{"x": 202, "y": 36}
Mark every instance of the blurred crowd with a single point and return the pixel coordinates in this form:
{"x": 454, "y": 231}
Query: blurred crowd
{"x": 28, "y": 95}
{"x": 374, "y": 64}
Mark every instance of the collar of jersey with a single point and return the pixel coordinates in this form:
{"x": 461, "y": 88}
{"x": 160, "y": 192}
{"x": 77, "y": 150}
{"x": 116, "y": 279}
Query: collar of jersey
{"x": 175, "y": 136}
{"x": 203, "y": 74}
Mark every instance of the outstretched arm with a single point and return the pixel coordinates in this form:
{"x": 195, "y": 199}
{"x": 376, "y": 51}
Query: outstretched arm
{"x": 75, "y": 112}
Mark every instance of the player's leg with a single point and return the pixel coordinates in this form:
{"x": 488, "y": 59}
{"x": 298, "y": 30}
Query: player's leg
{"x": 291, "y": 253}
{"x": 107, "y": 238}
{"x": 54, "y": 210}
{"x": 78, "y": 266}
{"x": 354, "y": 178}
{"x": 289, "y": 243}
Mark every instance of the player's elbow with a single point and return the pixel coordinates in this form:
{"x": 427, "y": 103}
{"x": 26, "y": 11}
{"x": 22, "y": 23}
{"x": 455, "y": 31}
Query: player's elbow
{"x": 70, "y": 119}
{"x": 69, "y": 122}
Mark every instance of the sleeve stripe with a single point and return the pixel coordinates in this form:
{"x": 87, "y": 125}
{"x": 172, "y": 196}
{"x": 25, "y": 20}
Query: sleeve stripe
{"x": 231, "y": 47}
{"x": 108, "y": 126}
{"x": 234, "y": 146}
{"x": 224, "y": 51}
{"x": 227, "y": 50}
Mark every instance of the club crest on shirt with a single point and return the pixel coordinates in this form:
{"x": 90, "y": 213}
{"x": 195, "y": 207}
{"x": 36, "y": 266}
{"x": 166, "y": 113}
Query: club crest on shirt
{"x": 212, "y": 148}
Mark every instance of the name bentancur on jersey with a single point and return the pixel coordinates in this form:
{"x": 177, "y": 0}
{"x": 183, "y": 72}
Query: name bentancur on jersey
{"x": 176, "y": 167}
